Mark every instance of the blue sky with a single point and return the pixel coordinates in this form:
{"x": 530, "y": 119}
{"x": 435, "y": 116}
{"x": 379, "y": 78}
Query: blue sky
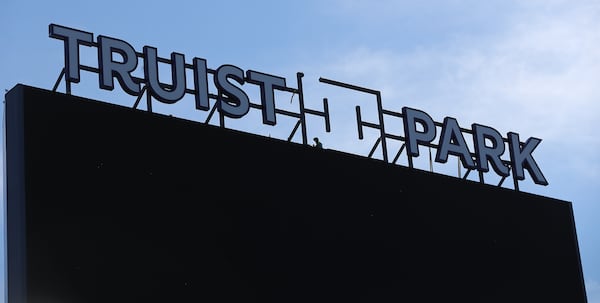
{"x": 529, "y": 66}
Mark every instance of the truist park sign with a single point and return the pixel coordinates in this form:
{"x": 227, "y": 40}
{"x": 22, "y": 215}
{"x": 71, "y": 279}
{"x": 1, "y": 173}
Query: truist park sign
{"x": 490, "y": 148}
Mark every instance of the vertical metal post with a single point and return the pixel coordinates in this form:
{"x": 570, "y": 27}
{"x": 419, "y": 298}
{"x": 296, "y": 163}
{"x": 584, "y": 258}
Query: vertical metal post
{"x": 381, "y": 127}
{"x": 302, "y": 110}
{"x": 149, "y": 100}
{"x": 67, "y": 85}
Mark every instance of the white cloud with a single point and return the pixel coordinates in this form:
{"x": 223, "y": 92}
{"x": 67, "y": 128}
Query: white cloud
{"x": 538, "y": 77}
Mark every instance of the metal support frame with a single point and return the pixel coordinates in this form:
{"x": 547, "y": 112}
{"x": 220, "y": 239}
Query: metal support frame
{"x": 300, "y": 115}
{"x": 384, "y": 135}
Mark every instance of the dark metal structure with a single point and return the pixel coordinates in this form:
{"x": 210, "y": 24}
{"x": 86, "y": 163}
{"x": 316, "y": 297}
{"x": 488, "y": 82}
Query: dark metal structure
{"x": 113, "y": 204}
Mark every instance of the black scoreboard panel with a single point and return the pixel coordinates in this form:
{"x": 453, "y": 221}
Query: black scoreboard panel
{"x": 111, "y": 204}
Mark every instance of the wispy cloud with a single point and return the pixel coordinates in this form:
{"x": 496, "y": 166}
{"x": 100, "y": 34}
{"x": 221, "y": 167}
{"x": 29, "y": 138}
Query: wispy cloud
{"x": 593, "y": 291}
{"x": 537, "y": 77}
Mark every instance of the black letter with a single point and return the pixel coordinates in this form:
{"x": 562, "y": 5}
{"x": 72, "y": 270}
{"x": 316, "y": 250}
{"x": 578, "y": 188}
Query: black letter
{"x": 235, "y": 95}
{"x": 73, "y": 38}
{"x": 489, "y": 153}
{"x": 201, "y": 84}
{"x": 452, "y": 142}
{"x": 267, "y": 84}
{"x": 521, "y": 158}
{"x": 177, "y": 75}
{"x": 121, "y": 70}
{"x": 412, "y": 136}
